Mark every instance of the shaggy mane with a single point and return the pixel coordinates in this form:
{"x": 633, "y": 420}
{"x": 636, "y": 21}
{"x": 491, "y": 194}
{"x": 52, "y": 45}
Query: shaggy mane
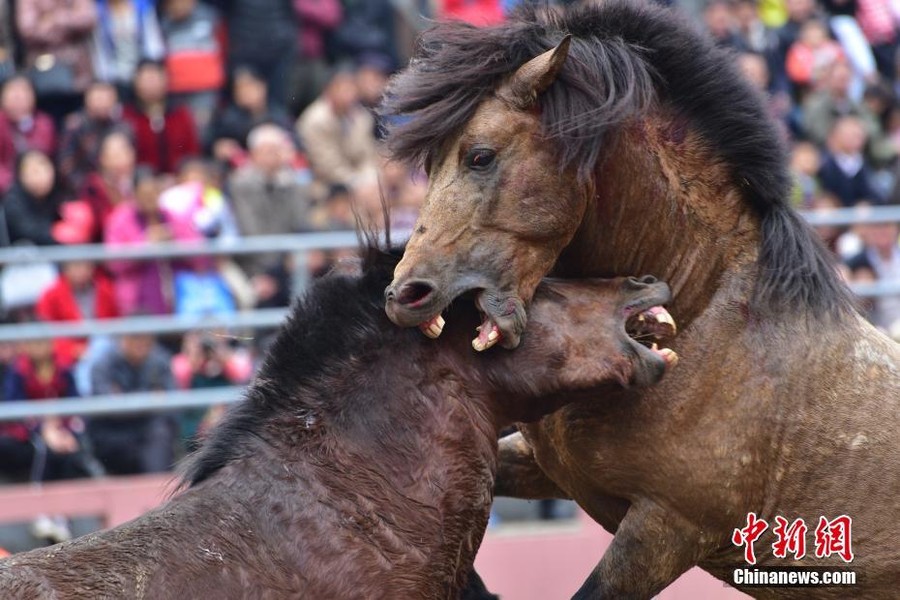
{"x": 338, "y": 315}
{"x": 625, "y": 57}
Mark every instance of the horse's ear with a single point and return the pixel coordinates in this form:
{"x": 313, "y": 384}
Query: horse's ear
{"x": 535, "y": 76}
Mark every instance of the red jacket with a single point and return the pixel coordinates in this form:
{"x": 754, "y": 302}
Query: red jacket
{"x": 57, "y": 303}
{"x": 173, "y": 142}
{"x": 22, "y": 383}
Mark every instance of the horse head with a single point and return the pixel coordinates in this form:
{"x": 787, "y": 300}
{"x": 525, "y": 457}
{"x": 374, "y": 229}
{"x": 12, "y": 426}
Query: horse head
{"x": 487, "y": 226}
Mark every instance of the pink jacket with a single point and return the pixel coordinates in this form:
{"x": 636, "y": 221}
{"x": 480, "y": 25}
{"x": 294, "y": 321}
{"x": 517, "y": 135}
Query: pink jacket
{"x": 145, "y": 286}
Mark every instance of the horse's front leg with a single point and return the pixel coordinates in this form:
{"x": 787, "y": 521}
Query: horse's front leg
{"x": 518, "y": 474}
{"x": 651, "y": 549}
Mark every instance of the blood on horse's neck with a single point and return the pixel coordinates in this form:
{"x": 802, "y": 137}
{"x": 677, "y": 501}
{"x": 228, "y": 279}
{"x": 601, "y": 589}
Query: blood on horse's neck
{"x": 664, "y": 206}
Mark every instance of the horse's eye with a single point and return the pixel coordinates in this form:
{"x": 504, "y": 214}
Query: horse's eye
{"x": 480, "y": 159}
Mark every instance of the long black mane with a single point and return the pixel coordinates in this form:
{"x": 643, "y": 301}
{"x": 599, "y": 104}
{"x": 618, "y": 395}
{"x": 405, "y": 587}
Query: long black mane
{"x": 338, "y": 316}
{"x": 625, "y": 57}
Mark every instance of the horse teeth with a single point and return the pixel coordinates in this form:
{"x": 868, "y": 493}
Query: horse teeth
{"x": 665, "y": 318}
{"x": 654, "y": 347}
{"x": 670, "y": 356}
{"x": 438, "y": 326}
{"x": 434, "y": 327}
{"x": 493, "y": 335}
{"x": 481, "y": 346}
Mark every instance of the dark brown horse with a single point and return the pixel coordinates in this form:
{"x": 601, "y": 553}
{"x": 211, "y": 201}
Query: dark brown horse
{"x": 613, "y": 138}
{"x": 362, "y": 461}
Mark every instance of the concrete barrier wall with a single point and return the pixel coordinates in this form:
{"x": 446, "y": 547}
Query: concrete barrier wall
{"x": 525, "y": 561}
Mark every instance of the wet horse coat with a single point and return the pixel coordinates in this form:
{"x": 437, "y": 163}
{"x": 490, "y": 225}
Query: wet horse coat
{"x": 361, "y": 463}
{"x": 613, "y": 138}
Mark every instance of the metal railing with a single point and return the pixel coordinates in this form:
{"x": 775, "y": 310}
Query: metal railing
{"x": 852, "y": 216}
{"x": 258, "y": 319}
{"x": 267, "y": 318}
{"x": 135, "y": 402}
{"x": 301, "y": 242}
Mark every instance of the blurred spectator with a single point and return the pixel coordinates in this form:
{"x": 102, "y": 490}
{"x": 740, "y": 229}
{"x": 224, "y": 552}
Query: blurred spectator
{"x": 268, "y": 199}
{"x": 32, "y": 206}
{"x": 756, "y": 71}
{"x": 476, "y": 12}
{"x": 127, "y": 32}
{"x": 82, "y": 291}
{"x": 755, "y": 36}
{"x": 318, "y": 18}
{"x": 798, "y": 13}
{"x": 880, "y": 260}
{"x": 42, "y": 449}
{"x": 338, "y": 134}
{"x": 199, "y": 204}
{"x": 198, "y": 201}
{"x": 263, "y": 34}
{"x": 134, "y": 443}
{"x": 112, "y": 182}
{"x": 79, "y": 147}
{"x": 195, "y": 58}
{"x": 7, "y": 41}
{"x": 847, "y": 31}
{"x": 56, "y": 38}
{"x": 248, "y": 108}
{"x": 22, "y": 127}
{"x": 844, "y": 172}
{"x": 722, "y": 26}
{"x": 831, "y": 235}
{"x": 805, "y": 164}
{"x": 371, "y": 80}
{"x": 822, "y": 109}
{"x": 368, "y": 27}
{"x": 404, "y": 192}
{"x": 878, "y": 21}
{"x": 206, "y": 361}
{"x": 142, "y": 287}
{"x": 336, "y": 212}
{"x": 164, "y": 134}
{"x": 812, "y": 54}
{"x": 45, "y": 449}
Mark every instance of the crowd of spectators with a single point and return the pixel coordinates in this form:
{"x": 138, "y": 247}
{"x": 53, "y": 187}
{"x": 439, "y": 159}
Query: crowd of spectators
{"x": 140, "y": 121}
{"x": 137, "y": 121}
{"x": 830, "y": 70}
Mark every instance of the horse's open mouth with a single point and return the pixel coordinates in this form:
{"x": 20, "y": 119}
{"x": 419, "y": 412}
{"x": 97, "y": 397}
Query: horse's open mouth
{"x": 651, "y": 326}
{"x": 502, "y": 320}
{"x": 488, "y": 332}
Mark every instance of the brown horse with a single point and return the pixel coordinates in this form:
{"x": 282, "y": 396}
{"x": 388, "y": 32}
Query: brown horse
{"x": 362, "y": 461}
{"x": 613, "y": 138}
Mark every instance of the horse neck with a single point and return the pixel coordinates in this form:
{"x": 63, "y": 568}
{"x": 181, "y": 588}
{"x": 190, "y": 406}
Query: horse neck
{"x": 662, "y": 205}
{"x": 419, "y": 462}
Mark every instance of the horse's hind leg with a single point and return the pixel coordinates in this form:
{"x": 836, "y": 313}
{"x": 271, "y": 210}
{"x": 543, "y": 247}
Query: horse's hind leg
{"x": 651, "y": 549}
{"x": 518, "y": 474}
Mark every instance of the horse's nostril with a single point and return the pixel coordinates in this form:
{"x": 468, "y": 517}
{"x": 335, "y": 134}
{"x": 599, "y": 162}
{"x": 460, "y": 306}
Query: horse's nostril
{"x": 638, "y": 283}
{"x": 414, "y": 293}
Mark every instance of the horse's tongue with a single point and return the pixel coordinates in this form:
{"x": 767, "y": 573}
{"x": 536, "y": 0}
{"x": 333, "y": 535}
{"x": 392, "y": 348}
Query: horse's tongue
{"x": 488, "y": 335}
